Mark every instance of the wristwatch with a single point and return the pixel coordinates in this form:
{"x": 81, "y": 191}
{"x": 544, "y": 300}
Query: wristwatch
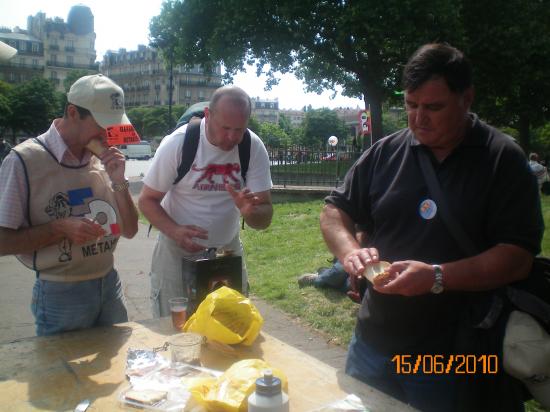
{"x": 437, "y": 287}
{"x": 120, "y": 187}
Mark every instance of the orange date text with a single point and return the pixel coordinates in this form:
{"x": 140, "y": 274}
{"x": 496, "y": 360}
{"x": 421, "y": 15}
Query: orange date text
{"x": 445, "y": 364}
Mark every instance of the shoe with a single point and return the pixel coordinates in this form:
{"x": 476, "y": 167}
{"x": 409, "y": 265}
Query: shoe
{"x": 307, "y": 279}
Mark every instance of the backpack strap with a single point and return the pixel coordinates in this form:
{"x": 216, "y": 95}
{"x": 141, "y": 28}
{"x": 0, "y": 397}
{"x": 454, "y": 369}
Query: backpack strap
{"x": 244, "y": 154}
{"x": 190, "y": 145}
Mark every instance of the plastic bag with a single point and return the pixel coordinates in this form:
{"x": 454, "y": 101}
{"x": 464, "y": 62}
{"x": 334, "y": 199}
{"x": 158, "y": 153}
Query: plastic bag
{"x": 230, "y": 391}
{"x": 226, "y": 316}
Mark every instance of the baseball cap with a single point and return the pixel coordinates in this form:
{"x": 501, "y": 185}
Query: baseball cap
{"x": 526, "y": 351}
{"x": 6, "y": 51}
{"x": 102, "y": 97}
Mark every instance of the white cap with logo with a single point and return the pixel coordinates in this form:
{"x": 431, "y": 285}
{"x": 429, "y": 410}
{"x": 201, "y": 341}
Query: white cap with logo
{"x": 102, "y": 97}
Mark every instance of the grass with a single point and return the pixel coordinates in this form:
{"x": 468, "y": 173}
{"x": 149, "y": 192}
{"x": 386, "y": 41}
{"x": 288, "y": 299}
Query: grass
{"x": 291, "y": 246}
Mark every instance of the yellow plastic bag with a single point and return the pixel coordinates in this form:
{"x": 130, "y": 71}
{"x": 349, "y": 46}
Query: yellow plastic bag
{"x": 229, "y": 392}
{"x": 226, "y": 316}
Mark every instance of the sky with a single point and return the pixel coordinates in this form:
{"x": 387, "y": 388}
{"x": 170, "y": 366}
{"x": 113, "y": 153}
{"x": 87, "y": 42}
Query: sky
{"x": 125, "y": 24}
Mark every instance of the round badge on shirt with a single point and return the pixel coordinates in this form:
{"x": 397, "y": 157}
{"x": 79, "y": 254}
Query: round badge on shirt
{"x": 427, "y": 209}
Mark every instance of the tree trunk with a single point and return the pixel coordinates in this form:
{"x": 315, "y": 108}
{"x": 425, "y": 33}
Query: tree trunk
{"x": 524, "y": 132}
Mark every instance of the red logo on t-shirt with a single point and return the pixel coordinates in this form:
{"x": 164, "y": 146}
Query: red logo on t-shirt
{"x": 228, "y": 171}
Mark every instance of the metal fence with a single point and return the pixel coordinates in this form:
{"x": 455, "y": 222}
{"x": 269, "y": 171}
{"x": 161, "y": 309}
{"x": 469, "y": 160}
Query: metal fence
{"x": 298, "y": 166}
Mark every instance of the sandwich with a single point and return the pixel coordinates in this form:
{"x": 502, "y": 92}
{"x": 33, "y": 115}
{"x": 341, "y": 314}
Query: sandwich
{"x": 146, "y": 396}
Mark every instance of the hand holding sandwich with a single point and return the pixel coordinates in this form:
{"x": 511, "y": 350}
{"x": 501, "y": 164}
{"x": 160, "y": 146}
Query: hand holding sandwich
{"x": 112, "y": 159}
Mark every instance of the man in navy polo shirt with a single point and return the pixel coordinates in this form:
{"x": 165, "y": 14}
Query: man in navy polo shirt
{"x": 487, "y": 184}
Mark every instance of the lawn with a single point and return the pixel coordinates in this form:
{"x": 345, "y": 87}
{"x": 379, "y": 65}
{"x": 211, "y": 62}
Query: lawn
{"x": 291, "y": 246}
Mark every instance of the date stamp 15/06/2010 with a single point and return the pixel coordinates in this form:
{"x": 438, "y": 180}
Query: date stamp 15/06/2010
{"x": 445, "y": 364}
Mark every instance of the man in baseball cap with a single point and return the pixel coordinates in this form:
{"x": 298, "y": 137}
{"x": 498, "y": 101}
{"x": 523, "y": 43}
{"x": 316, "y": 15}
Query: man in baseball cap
{"x": 62, "y": 211}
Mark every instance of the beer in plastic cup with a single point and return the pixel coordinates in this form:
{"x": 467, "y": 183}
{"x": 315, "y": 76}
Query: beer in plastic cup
{"x": 178, "y": 309}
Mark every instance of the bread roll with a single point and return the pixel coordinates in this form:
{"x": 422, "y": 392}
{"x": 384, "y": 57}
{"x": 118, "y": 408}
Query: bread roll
{"x": 377, "y": 273}
{"x": 96, "y": 146}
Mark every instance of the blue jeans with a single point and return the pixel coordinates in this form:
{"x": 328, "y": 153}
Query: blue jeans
{"x": 426, "y": 392}
{"x": 333, "y": 277}
{"x": 63, "y": 306}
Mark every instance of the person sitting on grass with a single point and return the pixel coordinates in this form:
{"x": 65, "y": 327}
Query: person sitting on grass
{"x": 336, "y": 276}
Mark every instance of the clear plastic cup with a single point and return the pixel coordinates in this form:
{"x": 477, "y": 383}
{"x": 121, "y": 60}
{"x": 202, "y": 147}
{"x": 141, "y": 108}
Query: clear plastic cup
{"x": 178, "y": 309}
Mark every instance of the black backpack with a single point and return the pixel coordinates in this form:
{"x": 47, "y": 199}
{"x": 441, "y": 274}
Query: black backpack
{"x": 191, "y": 143}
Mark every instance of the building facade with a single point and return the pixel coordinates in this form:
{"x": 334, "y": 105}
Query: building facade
{"x": 265, "y": 110}
{"x": 51, "y": 48}
{"x": 296, "y": 117}
{"x": 145, "y": 78}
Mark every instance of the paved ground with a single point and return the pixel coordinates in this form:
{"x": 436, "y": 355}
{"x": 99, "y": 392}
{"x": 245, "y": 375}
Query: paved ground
{"x": 133, "y": 259}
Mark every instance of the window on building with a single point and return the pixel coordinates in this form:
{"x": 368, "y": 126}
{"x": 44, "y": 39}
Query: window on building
{"x": 54, "y": 58}
{"x": 21, "y": 61}
{"x": 35, "y": 47}
{"x": 53, "y": 75}
{"x": 70, "y": 60}
{"x": 22, "y": 45}
{"x": 201, "y": 94}
{"x": 188, "y": 93}
{"x": 35, "y": 62}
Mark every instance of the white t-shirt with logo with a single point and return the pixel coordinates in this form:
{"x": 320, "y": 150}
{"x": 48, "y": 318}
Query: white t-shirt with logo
{"x": 200, "y": 198}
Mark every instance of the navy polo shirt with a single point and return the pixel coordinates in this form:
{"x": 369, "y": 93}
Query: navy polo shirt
{"x": 489, "y": 189}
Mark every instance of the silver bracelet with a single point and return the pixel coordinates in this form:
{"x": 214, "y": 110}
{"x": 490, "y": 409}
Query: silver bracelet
{"x": 120, "y": 187}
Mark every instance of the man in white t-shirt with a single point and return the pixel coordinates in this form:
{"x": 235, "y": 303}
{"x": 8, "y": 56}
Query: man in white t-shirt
{"x": 202, "y": 210}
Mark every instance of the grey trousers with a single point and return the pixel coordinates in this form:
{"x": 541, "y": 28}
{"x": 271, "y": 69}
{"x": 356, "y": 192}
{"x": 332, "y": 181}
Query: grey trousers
{"x": 167, "y": 277}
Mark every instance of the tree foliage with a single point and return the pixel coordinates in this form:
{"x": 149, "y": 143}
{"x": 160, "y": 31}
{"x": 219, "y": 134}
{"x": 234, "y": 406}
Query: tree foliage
{"x": 284, "y": 123}
{"x": 272, "y": 135}
{"x": 153, "y": 121}
{"x": 5, "y": 108}
{"x": 358, "y": 45}
{"x": 510, "y": 51}
{"x": 73, "y": 76}
{"x": 34, "y": 105}
{"x": 254, "y": 124}
{"x": 319, "y": 125}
